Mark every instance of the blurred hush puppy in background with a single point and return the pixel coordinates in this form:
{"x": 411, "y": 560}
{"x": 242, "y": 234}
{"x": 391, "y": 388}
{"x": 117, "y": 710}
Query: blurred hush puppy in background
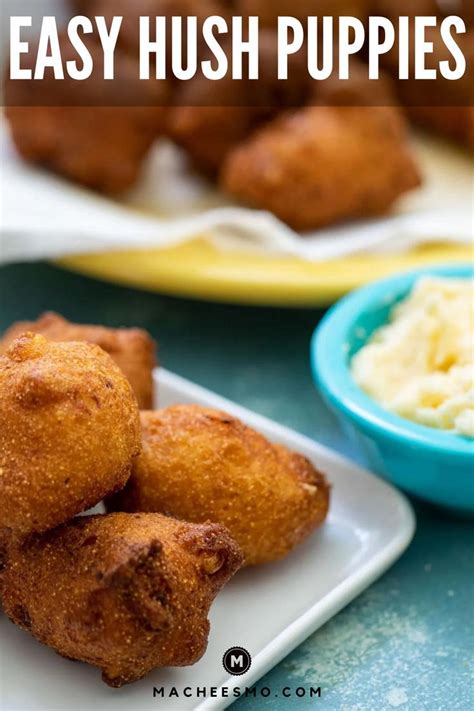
{"x": 69, "y": 430}
{"x": 323, "y": 164}
{"x": 95, "y": 132}
{"x": 200, "y": 464}
{"x": 132, "y": 349}
{"x": 210, "y": 118}
{"x": 126, "y": 593}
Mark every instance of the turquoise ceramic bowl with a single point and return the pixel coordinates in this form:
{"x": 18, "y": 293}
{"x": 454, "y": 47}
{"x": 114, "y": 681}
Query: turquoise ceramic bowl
{"x": 434, "y": 465}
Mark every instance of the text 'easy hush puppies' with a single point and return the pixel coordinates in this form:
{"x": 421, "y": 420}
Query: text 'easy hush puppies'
{"x": 200, "y": 464}
{"x": 69, "y": 429}
{"x": 132, "y": 349}
{"x": 124, "y": 592}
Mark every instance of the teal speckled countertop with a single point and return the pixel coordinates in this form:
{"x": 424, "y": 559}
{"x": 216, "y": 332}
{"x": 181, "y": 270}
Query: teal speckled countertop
{"x": 408, "y": 641}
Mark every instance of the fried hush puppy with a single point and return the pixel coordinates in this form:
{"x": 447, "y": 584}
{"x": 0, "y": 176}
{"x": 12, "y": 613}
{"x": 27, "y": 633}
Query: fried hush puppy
{"x": 101, "y": 148}
{"x": 126, "y": 593}
{"x": 132, "y": 349}
{"x": 208, "y": 133}
{"x": 69, "y": 430}
{"x": 96, "y": 133}
{"x": 211, "y": 118}
{"x": 200, "y": 464}
{"x": 324, "y": 164}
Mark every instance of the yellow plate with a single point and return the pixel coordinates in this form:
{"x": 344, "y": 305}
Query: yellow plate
{"x": 197, "y": 269}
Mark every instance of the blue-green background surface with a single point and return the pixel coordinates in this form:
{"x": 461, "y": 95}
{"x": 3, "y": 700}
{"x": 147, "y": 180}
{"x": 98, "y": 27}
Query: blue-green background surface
{"x": 408, "y": 641}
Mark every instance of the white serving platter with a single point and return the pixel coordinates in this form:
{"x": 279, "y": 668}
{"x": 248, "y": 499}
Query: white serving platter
{"x": 268, "y": 610}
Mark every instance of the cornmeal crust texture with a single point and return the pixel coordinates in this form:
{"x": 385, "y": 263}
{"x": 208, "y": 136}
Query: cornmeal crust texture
{"x": 132, "y": 349}
{"x": 124, "y": 592}
{"x": 200, "y": 464}
{"x": 69, "y": 430}
{"x": 323, "y": 164}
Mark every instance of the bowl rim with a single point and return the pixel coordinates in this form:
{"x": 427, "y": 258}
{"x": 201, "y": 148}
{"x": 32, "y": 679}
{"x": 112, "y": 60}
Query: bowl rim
{"x": 331, "y": 372}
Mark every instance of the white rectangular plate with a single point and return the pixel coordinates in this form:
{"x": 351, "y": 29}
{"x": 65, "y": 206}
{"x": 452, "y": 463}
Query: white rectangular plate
{"x": 268, "y": 610}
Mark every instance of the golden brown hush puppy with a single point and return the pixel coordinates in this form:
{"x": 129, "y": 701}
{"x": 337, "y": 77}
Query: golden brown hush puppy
{"x": 212, "y": 117}
{"x": 132, "y": 349}
{"x": 200, "y": 464}
{"x": 323, "y": 164}
{"x": 69, "y": 430}
{"x": 96, "y": 132}
{"x": 99, "y": 147}
{"x": 126, "y": 593}
{"x": 208, "y": 133}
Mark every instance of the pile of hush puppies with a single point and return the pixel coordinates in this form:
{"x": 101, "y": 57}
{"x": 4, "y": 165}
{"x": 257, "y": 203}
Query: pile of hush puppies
{"x": 191, "y": 494}
{"x": 289, "y": 147}
{"x": 314, "y": 153}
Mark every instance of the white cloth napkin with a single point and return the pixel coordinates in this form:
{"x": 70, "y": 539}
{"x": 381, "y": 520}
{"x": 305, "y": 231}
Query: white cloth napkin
{"x": 42, "y": 216}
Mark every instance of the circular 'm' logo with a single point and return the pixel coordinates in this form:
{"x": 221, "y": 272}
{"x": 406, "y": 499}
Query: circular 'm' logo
{"x": 237, "y": 661}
